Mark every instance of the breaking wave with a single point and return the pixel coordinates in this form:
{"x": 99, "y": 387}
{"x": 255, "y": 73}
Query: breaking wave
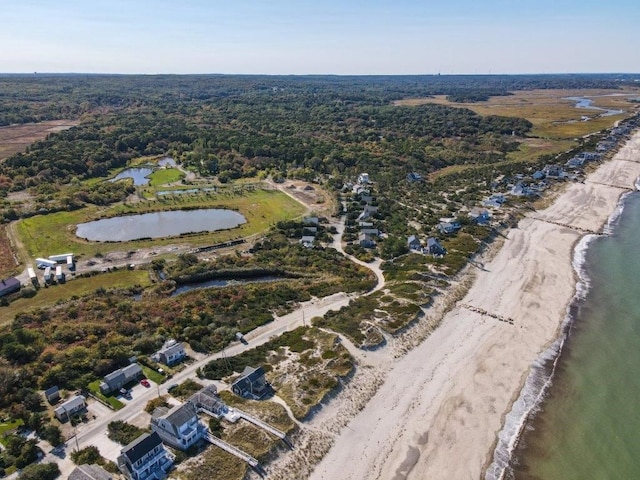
{"x": 542, "y": 371}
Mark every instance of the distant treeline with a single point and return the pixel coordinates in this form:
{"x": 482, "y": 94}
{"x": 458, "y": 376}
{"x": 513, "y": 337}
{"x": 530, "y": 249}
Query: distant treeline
{"x": 37, "y": 97}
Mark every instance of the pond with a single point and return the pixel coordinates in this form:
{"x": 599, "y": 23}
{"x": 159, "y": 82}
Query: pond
{"x": 138, "y": 174}
{"x": 159, "y": 225}
{"x": 224, "y": 282}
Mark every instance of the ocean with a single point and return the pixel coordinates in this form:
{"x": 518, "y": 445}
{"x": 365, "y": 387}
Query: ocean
{"x": 586, "y": 422}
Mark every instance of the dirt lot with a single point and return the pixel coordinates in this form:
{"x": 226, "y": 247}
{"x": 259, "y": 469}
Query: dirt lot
{"x": 16, "y": 138}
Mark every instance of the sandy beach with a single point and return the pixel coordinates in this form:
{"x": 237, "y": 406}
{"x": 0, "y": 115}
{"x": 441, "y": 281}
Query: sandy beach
{"x": 439, "y": 408}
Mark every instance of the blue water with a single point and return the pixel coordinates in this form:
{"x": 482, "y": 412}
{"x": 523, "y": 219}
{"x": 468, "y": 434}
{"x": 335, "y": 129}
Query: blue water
{"x": 159, "y": 224}
{"x": 139, "y": 175}
{"x": 589, "y": 423}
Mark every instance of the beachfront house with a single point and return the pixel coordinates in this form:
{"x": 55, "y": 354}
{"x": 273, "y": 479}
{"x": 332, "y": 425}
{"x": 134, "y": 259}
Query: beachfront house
{"x": 119, "y": 378}
{"x": 251, "y": 384}
{"x": 496, "y": 200}
{"x": 179, "y": 427}
{"x": 434, "y": 247}
{"x": 413, "y": 242}
{"x": 145, "y": 458}
{"x": 448, "y": 227}
{"x": 480, "y": 215}
{"x": 89, "y": 472}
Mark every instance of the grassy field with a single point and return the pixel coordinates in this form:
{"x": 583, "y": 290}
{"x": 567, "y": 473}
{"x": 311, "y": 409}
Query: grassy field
{"x": 79, "y": 287}
{"x": 164, "y": 176}
{"x": 44, "y": 235}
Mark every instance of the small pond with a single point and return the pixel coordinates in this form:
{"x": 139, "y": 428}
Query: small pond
{"x": 139, "y": 175}
{"x": 224, "y": 283}
{"x": 159, "y": 225}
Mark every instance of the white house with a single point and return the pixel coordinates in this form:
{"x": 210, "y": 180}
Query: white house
{"x": 363, "y": 178}
{"x": 171, "y": 352}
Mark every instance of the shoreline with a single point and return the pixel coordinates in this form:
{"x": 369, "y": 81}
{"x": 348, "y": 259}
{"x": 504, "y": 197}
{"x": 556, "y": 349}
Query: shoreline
{"x": 543, "y": 371}
{"x": 441, "y": 406}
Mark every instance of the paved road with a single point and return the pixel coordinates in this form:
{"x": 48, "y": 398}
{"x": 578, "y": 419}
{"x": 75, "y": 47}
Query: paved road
{"x": 92, "y": 432}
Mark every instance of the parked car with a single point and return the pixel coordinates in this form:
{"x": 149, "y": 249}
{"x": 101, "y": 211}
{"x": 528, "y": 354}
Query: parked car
{"x": 171, "y": 387}
{"x": 145, "y": 382}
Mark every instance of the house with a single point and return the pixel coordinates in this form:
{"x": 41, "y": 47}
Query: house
{"x": 179, "y": 427}
{"x": 172, "y": 352}
{"x": 313, "y": 221}
{"x": 575, "y": 162}
{"x": 208, "y": 401}
{"x": 145, "y": 458}
{"x": 367, "y": 212}
{"x": 480, "y": 215}
{"x": 89, "y": 472}
{"x": 496, "y": 200}
{"x": 251, "y": 384}
{"x": 310, "y": 230}
{"x": 366, "y": 241}
{"x": 366, "y": 197}
{"x": 9, "y": 285}
{"x": 538, "y": 175}
{"x": 52, "y": 395}
{"x": 307, "y": 241}
{"x": 434, "y": 248}
{"x": 372, "y": 232}
{"x": 363, "y": 178}
{"x": 553, "y": 171}
{"x": 116, "y": 380}
{"x": 413, "y": 243}
{"x": 521, "y": 190}
{"x": 69, "y": 408}
{"x": 448, "y": 227}
{"x": 414, "y": 177}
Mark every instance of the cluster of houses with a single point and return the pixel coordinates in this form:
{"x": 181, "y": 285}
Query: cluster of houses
{"x": 180, "y": 428}
{"x": 309, "y": 231}
{"x": 369, "y": 233}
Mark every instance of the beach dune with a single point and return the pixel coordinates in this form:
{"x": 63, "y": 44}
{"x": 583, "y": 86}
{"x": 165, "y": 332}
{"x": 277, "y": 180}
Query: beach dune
{"x": 438, "y": 413}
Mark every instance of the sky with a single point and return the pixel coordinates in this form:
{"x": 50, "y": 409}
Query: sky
{"x": 320, "y": 37}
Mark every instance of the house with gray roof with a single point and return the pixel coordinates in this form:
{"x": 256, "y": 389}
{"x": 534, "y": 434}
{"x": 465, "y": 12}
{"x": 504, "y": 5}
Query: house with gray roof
{"x": 251, "y": 384}
{"x": 52, "y": 395}
{"x": 119, "y": 378}
{"x": 434, "y": 248}
{"x": 172, "y": 352}
{"x": 179, "y": 427}
{"x": 480, "y": 215}
{"x": 9, "y": 285}
{"x": 413, "y": 242}
{"x": 90, "y": 472}
{"x": 145, "y": 458}
{"x": 71, "y": 407}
